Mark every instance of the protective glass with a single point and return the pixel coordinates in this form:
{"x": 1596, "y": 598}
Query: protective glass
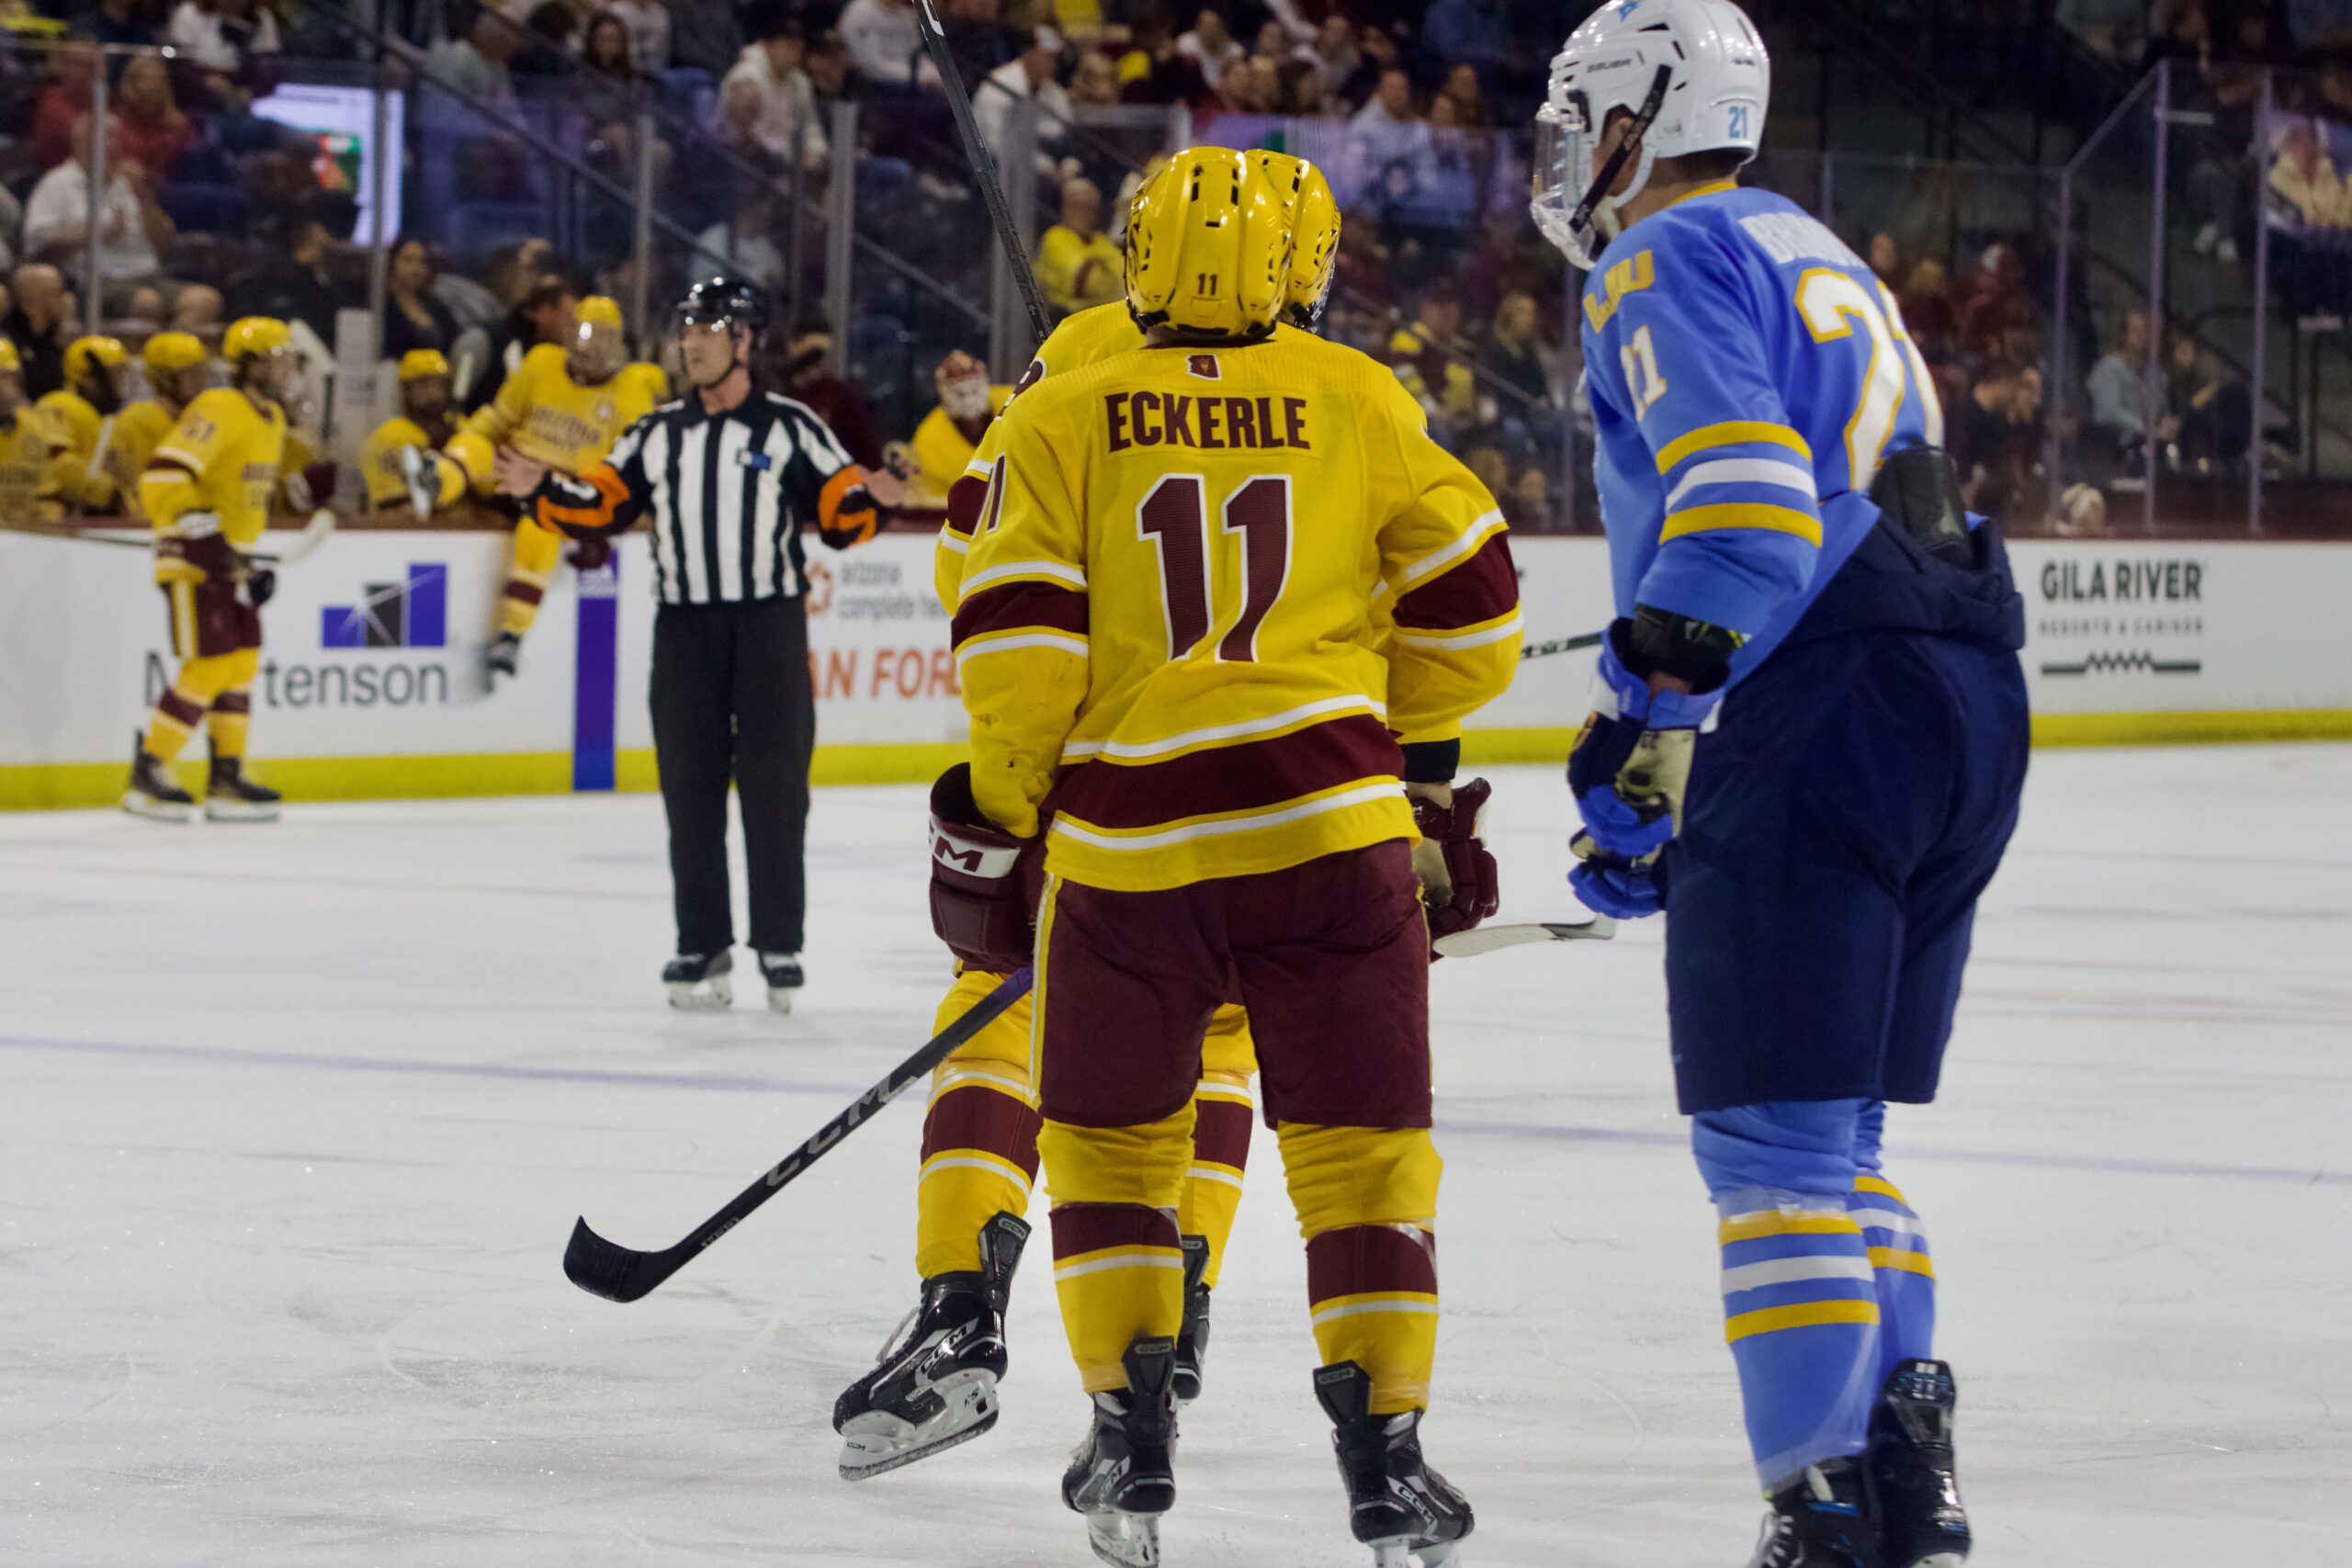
{"x": 1562, "y": 175}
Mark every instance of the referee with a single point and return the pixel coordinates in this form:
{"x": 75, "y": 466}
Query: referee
{"x": 728, "y": 476}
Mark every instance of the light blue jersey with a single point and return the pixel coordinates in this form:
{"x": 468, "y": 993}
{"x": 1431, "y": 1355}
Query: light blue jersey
{"x": 1747, "y": 374}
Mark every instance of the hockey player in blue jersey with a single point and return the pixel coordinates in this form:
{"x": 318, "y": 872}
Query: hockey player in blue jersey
{"x": 1808, "y": 742}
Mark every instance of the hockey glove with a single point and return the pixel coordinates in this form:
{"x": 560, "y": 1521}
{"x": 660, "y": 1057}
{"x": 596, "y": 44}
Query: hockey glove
{"x": 261, "y": 582}
{"x": 980, "y": 882}
{"x": 199, "y": 544}
{"x": 1450, "y": 837}
{"x": 1631, "y": 763}
{"x": 588, "y": 555}
{"x": 1612, "y": 885}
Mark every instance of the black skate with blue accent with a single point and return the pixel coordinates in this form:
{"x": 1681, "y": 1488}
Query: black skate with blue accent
{"x": 1913, "y": 1486}
{"x": 1820, "y": 1520}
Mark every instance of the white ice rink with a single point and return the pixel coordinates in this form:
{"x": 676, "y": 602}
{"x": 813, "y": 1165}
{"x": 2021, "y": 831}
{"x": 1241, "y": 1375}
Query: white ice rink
{"x": 294, "y": 1122}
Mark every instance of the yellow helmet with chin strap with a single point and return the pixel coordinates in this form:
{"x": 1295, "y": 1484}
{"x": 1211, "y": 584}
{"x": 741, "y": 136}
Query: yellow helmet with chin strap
{"x": 251, "y": 335}
{"x": 167, "y": 354}
{"x": 1314, "y": 216}
{"x": 85, "y": 351}
{"x": 1208, "y": 247}
{"x": 419, "y": 363}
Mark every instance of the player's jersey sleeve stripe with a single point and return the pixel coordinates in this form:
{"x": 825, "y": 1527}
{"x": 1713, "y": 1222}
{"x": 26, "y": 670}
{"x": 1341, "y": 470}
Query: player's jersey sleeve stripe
{"x": 1480, "y": 589}
{"x": 1010, "y": 571}
{"x": 1014, "y": 642}
{"x": 1737, "y": 515}
{"x": 1040, "y": 606}
{"x": 1741, "y": 471}
{"x": 1480, "y": 530}
{"x": 1728, "y": 433}
{"x": 1510, "y": 625}
{"x": 1254, "y": 775}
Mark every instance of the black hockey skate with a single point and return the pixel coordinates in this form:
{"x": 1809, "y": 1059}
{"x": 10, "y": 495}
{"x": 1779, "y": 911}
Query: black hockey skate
{"x": 1193, "y": 1340}
{"x": 1123, "y": 1477}
{"x": 698, "y": 983}
{"x": 502, "y": 657}
{"x": 1819, "y": 1520}
{"x": 1409, "y": 1515}
{"x": 230, "y": 796}
{"x": 782, "y": 973}
{"x": 1913, "y": 1490}
{"x": 150, "y": 792}
{"x": 936, "y": 1385}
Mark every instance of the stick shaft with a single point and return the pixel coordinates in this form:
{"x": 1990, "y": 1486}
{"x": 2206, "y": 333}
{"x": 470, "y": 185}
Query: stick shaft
{"x": 984, "y": 169}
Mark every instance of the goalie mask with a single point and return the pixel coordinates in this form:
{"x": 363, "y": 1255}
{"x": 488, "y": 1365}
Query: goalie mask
{"x": 1689, "y": 76}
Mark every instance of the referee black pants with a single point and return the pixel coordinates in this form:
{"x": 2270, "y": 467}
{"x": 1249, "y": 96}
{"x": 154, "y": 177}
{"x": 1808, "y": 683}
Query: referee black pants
{"x": 733, "y": 701}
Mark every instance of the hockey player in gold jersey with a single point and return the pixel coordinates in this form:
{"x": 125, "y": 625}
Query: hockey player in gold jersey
{"x": 206, "y": 492}
{"x": 176, "y": 366}
{"x": 564, "y": 406}
{"x": 84, "y": 412}
{"x": 1214, "y": 580}
{"x": 935, "y": 1385}
{"x": 423, "y": 421}
{"x": 33, "y": 460}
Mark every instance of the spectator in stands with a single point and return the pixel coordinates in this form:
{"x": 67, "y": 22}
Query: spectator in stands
{"x": 2320, "y": 26}
{"x": 1886, "y": 260}
{"x": 40, "y": 326}
{"x": 1471, "y": 31}
{"x": 223, "y": 36}
{"x": 770, "y": 71}
{"x": 475, "y": 62}
{"x": 550, "y": 33}
{"x": 647, "y": 25}
{"x": 291, "y": 282}
{"x": 149, "y": 128}
{"x": 2112, "y": 29}
{"x": 1299, "y": 90}
{"x": 808, "y": 377}
{"x": 1077, "y": 263}
{"x": 883, "y": 39}
{"x": 609, "y": 51}
{"x": 944, "y": 442}
{"x": 1425, "y": 355}
{"x": 1094, "y": 82}
{"x": 705, "y": 35}
{"x": 198, "y": 309}
{"x": 1031, "y": 77}
{"x": 829, "y": 69}
{"x": 1333, "y": 54}
{"x": 1377, "y": 53}
{"x": 1513, "y": 355}
{"x": 2304, "y": 176}
{"x": 64, "y": 99}
{"x": 2124, "y": 391}
{"x": 1210, "y": 45}
{"x": 1242, "y": 90}
{"x": 1996, "y": 442}
{"x": 741, "y": 243}
{"x": 123, "y": 23}
{"x": 1390, "y": 107}
{"x": 1469, "y": 96}
{"x": 413, "y": 318}
{"x": 132, "y": 230}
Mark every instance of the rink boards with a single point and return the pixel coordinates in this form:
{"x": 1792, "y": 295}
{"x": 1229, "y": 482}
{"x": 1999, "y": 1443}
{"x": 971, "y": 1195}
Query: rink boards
{"x": 370, "y": 684}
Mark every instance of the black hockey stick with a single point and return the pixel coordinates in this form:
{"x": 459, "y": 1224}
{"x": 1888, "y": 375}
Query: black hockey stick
{"x": 623, "y": 1274}
{"x": 1559, "y": 645}
{"x": 984, "y": 169}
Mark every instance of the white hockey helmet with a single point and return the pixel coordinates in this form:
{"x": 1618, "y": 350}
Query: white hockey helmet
{"x": 1694, "y": 75}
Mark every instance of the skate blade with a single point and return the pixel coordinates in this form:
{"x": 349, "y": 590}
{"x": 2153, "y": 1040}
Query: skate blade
{"x": 1124, "y": 1540}
{"x": 779, "y": 999}
{"x": 876, "y": 1443}
{"x": 1938, "y": 1559}
{"x": 157, "y": 810}
{"x": 701, "y": 996}
{"x": 240, "y": 811}
{"x": 1401, "y": 1553}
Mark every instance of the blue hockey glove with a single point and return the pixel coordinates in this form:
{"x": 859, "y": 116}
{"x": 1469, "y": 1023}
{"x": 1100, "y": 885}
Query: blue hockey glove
{"x": 1613, "y": 885}
{"x": 1632, "y": 760}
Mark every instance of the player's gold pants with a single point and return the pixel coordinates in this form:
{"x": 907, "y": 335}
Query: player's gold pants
{"x": 537, "y": 551}
{"x": 217, "y": 637}
{"x": 980, "y": 1135}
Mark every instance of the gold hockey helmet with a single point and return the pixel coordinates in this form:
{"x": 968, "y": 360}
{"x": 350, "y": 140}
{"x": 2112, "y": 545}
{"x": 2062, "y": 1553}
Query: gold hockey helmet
{"x": 1208, "y": 247}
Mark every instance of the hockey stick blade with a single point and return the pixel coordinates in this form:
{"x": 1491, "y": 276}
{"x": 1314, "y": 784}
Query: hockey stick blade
{"x": 1559, "y": 645}
{"x": 1494, "y": 938}
{"x": 621, "y": 1273}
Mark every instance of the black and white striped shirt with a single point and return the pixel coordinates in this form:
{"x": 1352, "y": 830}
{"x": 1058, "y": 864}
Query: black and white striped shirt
{"x": 726, "y": 495}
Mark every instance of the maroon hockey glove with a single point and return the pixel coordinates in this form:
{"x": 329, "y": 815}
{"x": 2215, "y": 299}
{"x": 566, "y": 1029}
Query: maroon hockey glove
{"x": 1455, "y": 830}
{"x": 979, "y": 886}
{"x": 587, "y": 555}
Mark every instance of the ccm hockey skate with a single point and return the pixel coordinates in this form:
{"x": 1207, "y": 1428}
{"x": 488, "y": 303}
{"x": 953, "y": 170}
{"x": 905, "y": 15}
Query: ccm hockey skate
{"x": 698, "y": 983}
{"x": 1819, "y": 1520}
{"x": 1409, "y": 1515}
{"x": 1123, "y": 1477}
{"x": 1913, "y": 1490}
{"x": 935, "y": 1385}
{"x": 1193, "y": 1340}
{"x": 230, "y": 796}
{"x": 151, "y": 793}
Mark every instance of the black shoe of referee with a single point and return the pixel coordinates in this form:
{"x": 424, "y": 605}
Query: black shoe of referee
{"x": 782, "y": 972}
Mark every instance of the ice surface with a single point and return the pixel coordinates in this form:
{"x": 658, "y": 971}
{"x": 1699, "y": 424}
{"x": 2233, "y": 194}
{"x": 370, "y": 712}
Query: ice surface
{"x": 294, "y": 1121}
